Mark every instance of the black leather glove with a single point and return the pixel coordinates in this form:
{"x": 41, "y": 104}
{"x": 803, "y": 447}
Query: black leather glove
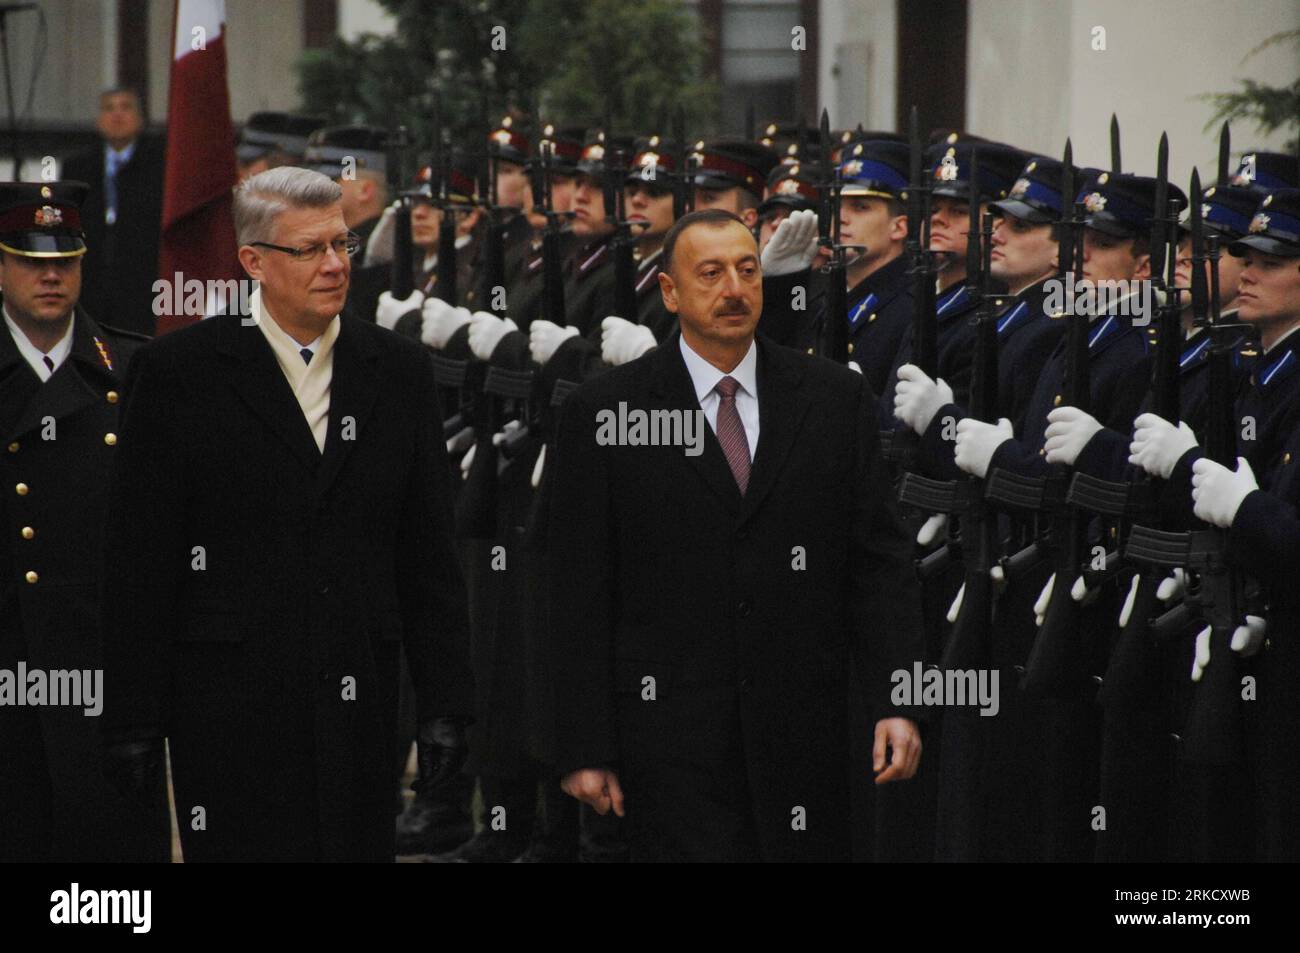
{"x": 442, "y": 750}
{"x": 134, "y": 768}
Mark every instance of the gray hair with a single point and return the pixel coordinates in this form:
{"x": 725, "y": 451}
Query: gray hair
{"x": 260, "y": 198}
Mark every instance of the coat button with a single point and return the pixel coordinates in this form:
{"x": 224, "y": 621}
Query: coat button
{"x": 323, "y": 589}
{"x": 743, "y": 609}
{"x": 110, "y": 439}
{"x": 1056, "y": 401}
{"x": 21, "y": 489}
{"x": 13, "y": 447}
{"x": 31, "y": 576}
{"x": 850, "y": 347}
{"x": 28, "y": 532}
{"x": 871, "y": 317}
{"x": 111, "y": 397}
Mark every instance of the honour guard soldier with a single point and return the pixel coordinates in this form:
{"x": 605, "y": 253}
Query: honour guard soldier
{"x": 61, "y": 391}
{"x": 356, "y": 157}
{"x": 272, "y": 139}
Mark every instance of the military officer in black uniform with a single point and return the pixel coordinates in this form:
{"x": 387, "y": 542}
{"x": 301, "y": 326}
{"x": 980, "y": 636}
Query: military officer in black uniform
{"x": 61, "y": 390}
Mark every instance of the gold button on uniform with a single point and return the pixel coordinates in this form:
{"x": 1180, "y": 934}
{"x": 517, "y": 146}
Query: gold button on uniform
{"x": 850, "y": 347}
{"x": 110, "y": 439}
{"x": 1286, "y": 458}
{"x": 111, "y": 397}
{"x": 13, "y": 447}
{"x": 31, "y": 576}
{"x": 1056, "y": 401}
{"x": 28, "y": 532}
{"x": 21, "y": 489}
{"x": 871, "y": 318}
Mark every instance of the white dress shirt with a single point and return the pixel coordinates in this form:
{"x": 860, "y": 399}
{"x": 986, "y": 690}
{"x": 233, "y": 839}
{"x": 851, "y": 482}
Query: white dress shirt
{"x": 310, "y": 383}
{"x": 705, "y": 377}
{"x": 34, "y": 355}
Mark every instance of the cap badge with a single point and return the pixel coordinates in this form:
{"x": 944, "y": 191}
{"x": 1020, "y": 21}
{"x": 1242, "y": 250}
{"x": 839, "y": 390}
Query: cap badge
{"x": 49, "y": 215}
{"x": 649, "y": 159}
{"x": 1205, "y": 210}
{"x": 502, "y": 136}
{"x": 1246, "y": 172}
{"x": 853, "y": 167}
{"x": 787, "y": 187}
{"x": 1095, "y": 202}
{"x": 1259, "y": 223}
{"x": 947, "y": 170}
{"x": 595, "y": 152}
{"x": 1020, "y": 188}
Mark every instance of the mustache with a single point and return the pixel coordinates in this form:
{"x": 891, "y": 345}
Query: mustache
{"x": 736, "y": 307}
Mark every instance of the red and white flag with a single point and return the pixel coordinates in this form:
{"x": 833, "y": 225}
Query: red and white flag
{"x": 198, "y": 229}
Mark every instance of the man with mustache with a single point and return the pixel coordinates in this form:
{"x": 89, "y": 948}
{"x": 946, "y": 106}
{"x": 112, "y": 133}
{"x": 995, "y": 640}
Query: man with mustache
{"x": 62, "y": 379}
{"x": 705, "y": 607}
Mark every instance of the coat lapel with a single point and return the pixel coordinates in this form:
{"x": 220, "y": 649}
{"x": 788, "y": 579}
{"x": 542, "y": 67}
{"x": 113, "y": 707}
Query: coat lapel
{"x": 69, "y": 389}
{"x": 354, "y": 386}
{"x": 18, "y": 383}
{"x": 261, "y": 384}
{"x": 782, "y": 405}
{"x": 672, "y": 388}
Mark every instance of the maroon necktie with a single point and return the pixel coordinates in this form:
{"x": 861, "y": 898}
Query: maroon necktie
{"x": 731, "y": 433}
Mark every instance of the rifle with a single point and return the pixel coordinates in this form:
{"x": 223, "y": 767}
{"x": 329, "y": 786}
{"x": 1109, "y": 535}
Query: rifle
{"x": 900, "y": 446}
{"x": 1055, "y": 664}
{"x": 978, "y": 539}
{"x": 834, "y": 338}
{"x": 492, "y": 289}
{"x": 1214, "y": 594}
{"x": 622, "y": 246}
{"x": 1115, "y": 164}
{"x": 445, "y": 283}
{"x": 402, "y": 279}
{"x": 684, "y": 181}
{"x": 552, "y": 235}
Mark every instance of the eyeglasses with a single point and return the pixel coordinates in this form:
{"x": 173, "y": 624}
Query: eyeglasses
{"x": 348, "y": 247}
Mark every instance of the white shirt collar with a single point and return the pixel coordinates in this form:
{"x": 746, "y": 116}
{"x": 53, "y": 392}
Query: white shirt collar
{"x": 288, "y": 352}
{"x": 705, "y": 376}
{"x": 34, "y": 355}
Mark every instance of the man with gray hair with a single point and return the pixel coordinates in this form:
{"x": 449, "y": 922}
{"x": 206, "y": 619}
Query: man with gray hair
{"x": 279, "y": 532}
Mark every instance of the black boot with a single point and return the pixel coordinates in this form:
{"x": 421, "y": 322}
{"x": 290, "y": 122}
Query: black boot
{"x": 438, "y": 819}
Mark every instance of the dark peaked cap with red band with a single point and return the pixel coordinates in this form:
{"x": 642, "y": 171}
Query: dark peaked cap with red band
{"x": 733, "y": 163}
{"x": 42, "y": 219}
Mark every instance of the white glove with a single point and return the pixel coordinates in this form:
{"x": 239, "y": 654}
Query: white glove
{"x": 933, "y": 530}
{"x": 1158, "y": 445}
{"x": 502, "y": 435}
{"x": 1173, "y": 586}
{"x": 1246, "y": 640}
{"x": 439, "y": 321}
{"x": 1044, "y": 600}
{"x": 486, "y": 331}
{"x": 537, "y": 467}
{"x": 466, "y": 462}
{"x": 977, "y": 442}
{"x": 1080, "y": 592}
{"x": 379, "y": 246}
{"x": 544, "y": 337}
{"x": 1068, "y": 431}
{"x": 622, "y": 341}
{"x": 390, "y": 308}
{"x": 793, "y": 245}
{"x": 1127, "y": 612}
{"x": 1217, "y": 492}
{"x": 999, "y": 577}
{"x": 917, "y": 398}
{"x": 855, "y": 367}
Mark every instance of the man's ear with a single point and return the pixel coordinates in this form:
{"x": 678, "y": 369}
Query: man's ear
{"x": 750, "y": 217}
{"x": 1142, "y": 267}
{"x": 251, "y": 259}
{"x": 668, "y": 290}
{"x": 898, "y": 228}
